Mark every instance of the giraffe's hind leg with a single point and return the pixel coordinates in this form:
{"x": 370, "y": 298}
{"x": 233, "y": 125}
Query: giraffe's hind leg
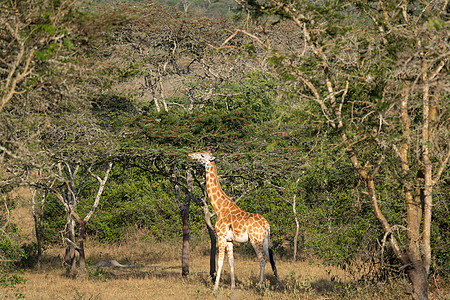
{"x": 259, "y": 249}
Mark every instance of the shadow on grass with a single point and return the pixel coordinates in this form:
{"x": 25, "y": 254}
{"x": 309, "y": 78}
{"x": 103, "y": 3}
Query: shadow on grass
{"x": 287, "y": 286}
{"x": 130, "y": 272}
{"x": 324, "y": 286}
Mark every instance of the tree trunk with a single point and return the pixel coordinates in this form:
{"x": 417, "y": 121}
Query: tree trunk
{"x": 81, "y": 234}
{"x": 212, "y": 237}
{"x": 294, "y": 211}
{"x": 427, "y": 168}
{"x": 38, "y": 227}
{"x": 38, "y": 217}
{"x": 186, "y": 230}
{"x": 69, "y": 257}
{"x": 212, "y": 253}
{"x": 185, "y": 252}
{"x": 418, "y": 276}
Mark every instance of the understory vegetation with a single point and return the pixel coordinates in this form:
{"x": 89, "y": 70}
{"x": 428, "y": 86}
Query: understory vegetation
{"x": 102, "y": 101}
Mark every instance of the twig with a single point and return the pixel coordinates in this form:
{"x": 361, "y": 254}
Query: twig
{"x": 7, "y": 213}
{"x": 404, "y": 267}
{"x": 73, "y": 244}
{"x": 385, "y": 237}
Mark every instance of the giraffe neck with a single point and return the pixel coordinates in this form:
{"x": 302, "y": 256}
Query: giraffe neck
{"x": 216, "y": 195}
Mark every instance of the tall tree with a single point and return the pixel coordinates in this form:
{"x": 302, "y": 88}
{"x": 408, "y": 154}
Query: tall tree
{"x": 378, "y": 73}
{"x": 30, "y": 33}
{"x": 184, "y": 207}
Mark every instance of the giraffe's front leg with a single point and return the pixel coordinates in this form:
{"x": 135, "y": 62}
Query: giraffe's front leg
{"x": 231, "y": 262}
{"x": 222, "y": 245}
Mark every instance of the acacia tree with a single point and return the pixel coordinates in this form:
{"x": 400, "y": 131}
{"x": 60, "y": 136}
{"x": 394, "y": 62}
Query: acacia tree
{"x": 37, "y": 210}
{"x": 69, "y": 194}
{"x": 184, "y": 207}
{"x": 378, "y": 73}
{"x": 29, "y": 30}
{"x": 75, "y": 143}
{"x": 30, "y": 33}
{"x": 169, "y": 166}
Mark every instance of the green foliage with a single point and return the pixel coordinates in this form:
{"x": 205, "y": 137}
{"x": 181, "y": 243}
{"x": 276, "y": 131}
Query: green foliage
{"x": 11, "y": 254}
{"x": 440, "y": 230}
{"x": 130, "y": 200}
{"x": 10, "y": 282}
{"x": 253, "y": 95}
{"x": 54, "y": 220}
{"x": 133, "y": 200}
{"x": 224, "y": 119}
{"x": 48, "y": 28}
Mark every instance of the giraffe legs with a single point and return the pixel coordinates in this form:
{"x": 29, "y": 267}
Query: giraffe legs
{"x": 231, "y": 262}
{"x": 258, "y": 246}
{"x": 222, "y": 245}
{"x": 262, "y": 250}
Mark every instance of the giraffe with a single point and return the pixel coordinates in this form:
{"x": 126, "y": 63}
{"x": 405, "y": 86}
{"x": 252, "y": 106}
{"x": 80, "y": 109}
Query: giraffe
{"x": 234, "y": 224}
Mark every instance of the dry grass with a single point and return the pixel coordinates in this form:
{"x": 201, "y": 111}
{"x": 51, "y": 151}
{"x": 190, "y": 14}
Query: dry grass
{"x": 162, "y": 280}
{"x": 157, "y": 275}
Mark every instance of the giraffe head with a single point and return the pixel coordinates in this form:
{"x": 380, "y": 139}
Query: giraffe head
{"x": 203, "y": 157}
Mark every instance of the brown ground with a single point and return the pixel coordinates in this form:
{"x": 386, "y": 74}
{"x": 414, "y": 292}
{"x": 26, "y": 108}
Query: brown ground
{"x": 157, "y": 275}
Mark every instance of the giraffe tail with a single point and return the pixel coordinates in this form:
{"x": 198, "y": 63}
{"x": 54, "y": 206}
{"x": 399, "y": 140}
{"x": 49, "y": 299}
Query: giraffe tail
{"x": 269, "y": 253}
{"x": 272, "y": 263}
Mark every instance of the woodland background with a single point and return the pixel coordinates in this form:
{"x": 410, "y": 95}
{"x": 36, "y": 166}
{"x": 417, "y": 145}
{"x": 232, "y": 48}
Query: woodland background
{"x": 140, "y": 84}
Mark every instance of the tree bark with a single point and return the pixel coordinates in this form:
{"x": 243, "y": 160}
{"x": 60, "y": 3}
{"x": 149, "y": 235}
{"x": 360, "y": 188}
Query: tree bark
{"x": 297, "y": 228}
{"x": 418, "y": 277}
{"x": 297, "y": 225}
{"x": 427, "y": 167}
{"x": 38, "y": 223}
{"x": 185, "y": 251}
{"x": 69, "y": 257}
{"x": 38, "y": 228}
{"x": 212, "y": 238}
{"x": 186, "y": 229}
{"x": 81, "y": 233}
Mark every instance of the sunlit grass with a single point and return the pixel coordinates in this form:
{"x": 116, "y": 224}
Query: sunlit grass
{"x": 155, "y": 273}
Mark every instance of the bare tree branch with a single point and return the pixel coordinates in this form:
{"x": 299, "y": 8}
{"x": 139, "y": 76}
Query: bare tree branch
{"x": 102, "y": 183}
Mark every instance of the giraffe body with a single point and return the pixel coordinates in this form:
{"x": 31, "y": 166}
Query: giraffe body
{"x": 234, "y": 224}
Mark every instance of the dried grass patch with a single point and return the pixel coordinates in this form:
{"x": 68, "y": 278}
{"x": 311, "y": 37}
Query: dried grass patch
{"x": 156, "y": 274}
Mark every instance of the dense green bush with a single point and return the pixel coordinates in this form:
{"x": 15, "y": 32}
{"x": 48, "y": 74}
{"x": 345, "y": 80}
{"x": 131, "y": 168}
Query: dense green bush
{"x": 134, "y": 199}
{"x": 10, "y": 255}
